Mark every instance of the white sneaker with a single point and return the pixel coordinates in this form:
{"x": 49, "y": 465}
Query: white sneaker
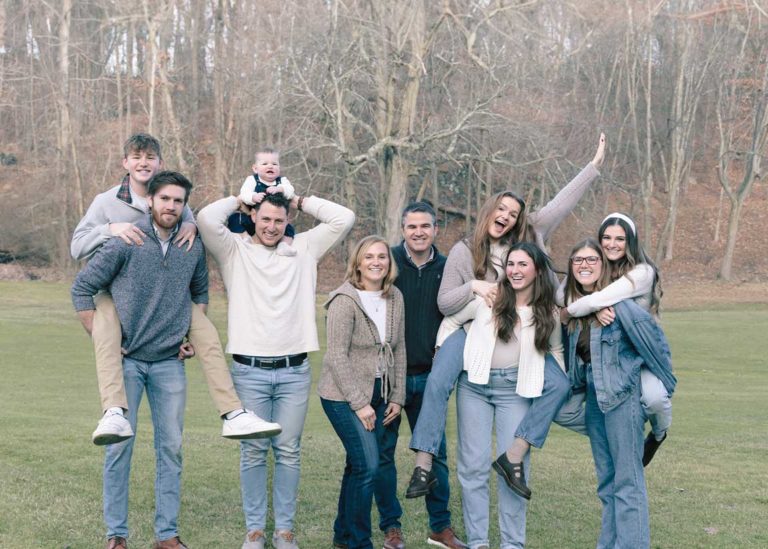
{"x": 246, "y": 424}
{"x": 113, "y": 427}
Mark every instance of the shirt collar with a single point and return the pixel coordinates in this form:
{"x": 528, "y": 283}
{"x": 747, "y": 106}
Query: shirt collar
{"x": 408, "y": 254}
{"x": 124, "y": 192}
{"x": 157, "y": 234}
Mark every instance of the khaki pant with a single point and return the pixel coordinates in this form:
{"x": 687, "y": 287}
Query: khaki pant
{"x": 107, "y": 339}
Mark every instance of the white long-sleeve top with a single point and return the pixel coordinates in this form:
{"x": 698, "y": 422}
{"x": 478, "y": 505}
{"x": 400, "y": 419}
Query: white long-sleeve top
{"x": 249, "y": 185}
{"x": 271, "y": 308}
{"x": 637, "y": 284}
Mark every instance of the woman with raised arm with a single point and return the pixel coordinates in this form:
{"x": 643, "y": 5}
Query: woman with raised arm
{"x": 607, "y": 360}
{"x": 473, "y": 268}
{"x": 362, "y": 384}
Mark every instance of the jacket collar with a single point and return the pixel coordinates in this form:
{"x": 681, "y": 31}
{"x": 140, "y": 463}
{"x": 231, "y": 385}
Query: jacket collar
{"x": 402, "y": 249}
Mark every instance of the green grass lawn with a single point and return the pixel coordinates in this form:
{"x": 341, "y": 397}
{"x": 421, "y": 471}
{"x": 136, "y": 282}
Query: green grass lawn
{"x": 708, "y": 486}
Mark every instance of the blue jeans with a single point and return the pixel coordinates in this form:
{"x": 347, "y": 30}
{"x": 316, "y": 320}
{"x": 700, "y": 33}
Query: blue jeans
{"x": 386, "y": 481}
{"x": 481, "y": 408}
{"x": 280, "y": 395}
{"x": 446, "y": 368}
{"x": 557, "y": 388}
{"x": 448, "y": 364}
{"x": 656, "y": 403}
{"x": 364, "y": 453}
{"x": 166, "y": 386}
{"x": 616, "y": 438}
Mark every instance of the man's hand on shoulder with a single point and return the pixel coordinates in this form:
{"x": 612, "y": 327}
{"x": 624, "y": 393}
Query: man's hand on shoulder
{"x": 128, "y": 233}
{"x": 187, "y": 233}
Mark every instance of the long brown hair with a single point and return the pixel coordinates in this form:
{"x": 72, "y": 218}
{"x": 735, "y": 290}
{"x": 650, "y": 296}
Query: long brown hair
{"x": 634, "y": 254}
{"x": 573, "y": 288}
{"x": 480, "y": 242}
{"x": 353, "y": 273}
{"x": 542, "y": 301}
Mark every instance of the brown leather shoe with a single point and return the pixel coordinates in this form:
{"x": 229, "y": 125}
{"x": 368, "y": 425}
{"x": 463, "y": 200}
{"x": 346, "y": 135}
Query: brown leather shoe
{"x": 173, "y": 543}
{"x": 446, "y": 539}
{"x": 117, "y": 543}
{"x": 393, "y": 539}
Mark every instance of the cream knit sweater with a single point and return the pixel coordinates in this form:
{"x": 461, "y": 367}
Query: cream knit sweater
{"x": 272, "y": 297}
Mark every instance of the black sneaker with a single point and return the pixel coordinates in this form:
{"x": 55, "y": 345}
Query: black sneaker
{"x": 421, "y": 483}
{"x": 650, "y": 447}
{"x": 513, "y": 475}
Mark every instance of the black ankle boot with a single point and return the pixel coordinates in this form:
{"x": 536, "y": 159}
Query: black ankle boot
{"x": 513, "y": 475}
{"x": 421, "y": 483}
{"x": 650, "y": 447}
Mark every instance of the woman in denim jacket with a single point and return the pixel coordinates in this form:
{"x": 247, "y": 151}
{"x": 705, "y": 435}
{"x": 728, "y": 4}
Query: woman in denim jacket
{"x": 633, "y": 276}
{"x": 607, "y": 361}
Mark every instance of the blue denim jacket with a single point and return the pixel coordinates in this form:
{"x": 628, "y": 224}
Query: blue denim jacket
{"x": 618, "y": 352}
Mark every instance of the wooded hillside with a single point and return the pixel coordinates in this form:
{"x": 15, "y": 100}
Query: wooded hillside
{"x": 375, "y": 103}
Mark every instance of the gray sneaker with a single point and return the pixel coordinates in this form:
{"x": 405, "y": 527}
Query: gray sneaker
{"x": 254, "y": 540}
{"x": 284, "y": 539}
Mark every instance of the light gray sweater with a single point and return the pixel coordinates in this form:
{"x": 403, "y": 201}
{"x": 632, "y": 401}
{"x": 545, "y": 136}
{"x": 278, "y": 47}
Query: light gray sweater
{"x": 456, "y": 288}
{"x": 106, "y": 208}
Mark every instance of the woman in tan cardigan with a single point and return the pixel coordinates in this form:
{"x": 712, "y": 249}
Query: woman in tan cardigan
{"x": 362, "y": 385}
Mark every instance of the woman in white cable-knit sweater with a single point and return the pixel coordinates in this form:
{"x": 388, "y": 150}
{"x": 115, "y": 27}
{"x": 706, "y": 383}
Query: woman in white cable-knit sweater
{"x": 507, "y": 350}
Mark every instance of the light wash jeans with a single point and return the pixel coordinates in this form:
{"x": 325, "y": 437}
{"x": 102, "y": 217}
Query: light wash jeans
{"x": 280, "y": 395}
{"x": 481, "y": 408}
{"x": 446, "y": 368}
{"x": 656, "y": 403}
{"x": 616, "y": 438}
{"x": 166, "y": 386}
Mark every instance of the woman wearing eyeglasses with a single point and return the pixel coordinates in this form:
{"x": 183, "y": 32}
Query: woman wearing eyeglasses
{"x": 607, "y": 361}
{"x": 633, "y": 276}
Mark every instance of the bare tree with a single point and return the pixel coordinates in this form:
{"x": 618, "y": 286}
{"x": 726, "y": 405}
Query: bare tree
{"x": 742, "y": 119}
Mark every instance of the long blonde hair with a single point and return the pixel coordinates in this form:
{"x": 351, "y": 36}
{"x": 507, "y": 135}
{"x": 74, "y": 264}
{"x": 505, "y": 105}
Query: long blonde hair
{"x": 353, "y": 265}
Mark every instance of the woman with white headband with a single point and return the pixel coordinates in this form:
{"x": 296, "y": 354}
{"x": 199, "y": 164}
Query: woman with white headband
{"x": 633, "y": 276}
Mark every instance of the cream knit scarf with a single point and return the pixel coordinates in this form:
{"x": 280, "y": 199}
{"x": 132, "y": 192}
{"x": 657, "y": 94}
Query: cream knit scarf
{"x": 481, "y": 340}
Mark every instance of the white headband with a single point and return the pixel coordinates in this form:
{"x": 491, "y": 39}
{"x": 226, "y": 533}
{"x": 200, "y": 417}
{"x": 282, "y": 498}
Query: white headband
{"x": 623, "y": 217}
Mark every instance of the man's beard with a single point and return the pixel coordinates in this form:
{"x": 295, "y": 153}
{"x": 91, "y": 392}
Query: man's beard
{"x": 161, "y": 222}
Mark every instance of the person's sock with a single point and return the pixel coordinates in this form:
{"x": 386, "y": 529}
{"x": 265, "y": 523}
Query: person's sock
{"x": 233, "y": 413}
{"x": 114, "y": 410}
{"x": 424, "y": 460}
{"x": 517, "y": 451}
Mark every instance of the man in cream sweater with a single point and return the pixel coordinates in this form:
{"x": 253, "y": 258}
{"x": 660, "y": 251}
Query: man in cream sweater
{"x": 271, "y": 327}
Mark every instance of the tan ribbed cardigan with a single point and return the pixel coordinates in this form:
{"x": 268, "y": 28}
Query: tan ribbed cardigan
{"x": 355, "y": 349}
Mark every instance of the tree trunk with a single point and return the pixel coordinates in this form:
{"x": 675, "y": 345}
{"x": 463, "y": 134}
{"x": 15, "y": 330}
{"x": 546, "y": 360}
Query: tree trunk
{"x": 730, "y": 244}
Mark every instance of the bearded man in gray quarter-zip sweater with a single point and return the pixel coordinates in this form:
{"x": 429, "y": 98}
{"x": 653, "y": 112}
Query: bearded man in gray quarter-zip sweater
{"x": 153, "y": 287}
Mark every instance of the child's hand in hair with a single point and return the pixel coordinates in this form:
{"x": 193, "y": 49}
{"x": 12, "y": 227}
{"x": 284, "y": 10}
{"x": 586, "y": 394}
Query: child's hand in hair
{"x": 257, "y": 198}
{"x": 277, "y": 189}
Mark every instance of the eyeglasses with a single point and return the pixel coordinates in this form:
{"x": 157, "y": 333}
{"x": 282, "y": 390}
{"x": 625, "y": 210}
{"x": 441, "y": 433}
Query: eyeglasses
{"x": 591, "y": 260}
